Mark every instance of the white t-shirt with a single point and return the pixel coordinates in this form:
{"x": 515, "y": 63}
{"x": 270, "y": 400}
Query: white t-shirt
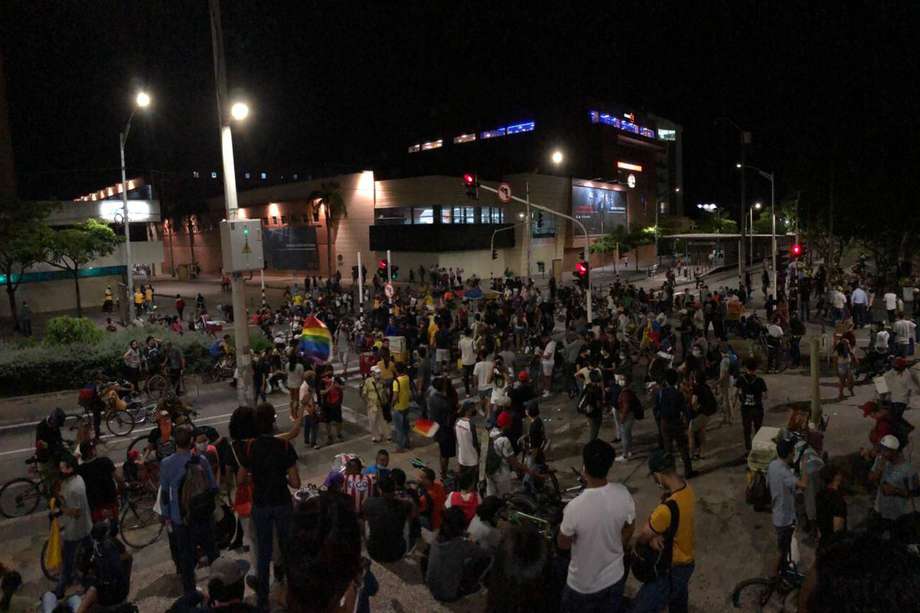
{"x": 483, "y": 372}
{"x": 903, "y": 331}
{"x": 499, "y": 482}
{"x": 295, "y": 377}
{"x": 891, "y": 301}
{"x": 466, "y": 451}
{"x": 549, "y": 352}
{"x": 775, "y": 331}
{"x": 596, "y": 519}
{"x": 467, "y": 353}
{"x": 859, "y": 296}
{"x": 839, "y": 300}
{"x": 881, "y": 340}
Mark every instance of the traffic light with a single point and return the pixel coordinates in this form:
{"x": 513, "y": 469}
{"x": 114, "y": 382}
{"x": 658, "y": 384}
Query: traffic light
{"x": 382, "y": 269}
{"x": 796, "y": 251}
{"x": 472, "y": 186}
{"x": 395, "y": 272}
{"x": 582, "y": 269}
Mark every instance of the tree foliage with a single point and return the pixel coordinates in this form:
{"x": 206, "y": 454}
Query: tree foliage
{"x": 23, "y": 231}
{"x": 72, "y": 248}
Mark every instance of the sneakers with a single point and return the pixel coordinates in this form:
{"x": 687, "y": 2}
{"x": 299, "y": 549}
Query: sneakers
{"x": 623, "y": 458}
{"x": 545, "y": 394}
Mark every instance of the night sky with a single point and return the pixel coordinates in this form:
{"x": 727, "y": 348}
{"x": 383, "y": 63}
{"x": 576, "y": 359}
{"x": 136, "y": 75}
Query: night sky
{"x": 823, "y": 90}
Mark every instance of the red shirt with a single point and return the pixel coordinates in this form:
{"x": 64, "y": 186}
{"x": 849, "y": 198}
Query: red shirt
{"x": 438, "y": 496}
{"x": 468, "y": 503}
{"x": 359, "y": 487}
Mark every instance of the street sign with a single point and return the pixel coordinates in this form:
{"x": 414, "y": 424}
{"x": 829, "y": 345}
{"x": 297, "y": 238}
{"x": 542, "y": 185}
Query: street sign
{"x": 504, "y": 193}
{"x": 388, "y": 290}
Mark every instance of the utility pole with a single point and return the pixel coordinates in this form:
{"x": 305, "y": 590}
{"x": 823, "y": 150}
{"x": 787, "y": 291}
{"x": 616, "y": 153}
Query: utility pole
{"x": 245, "y": 393}
{"x": 528, "y": 232}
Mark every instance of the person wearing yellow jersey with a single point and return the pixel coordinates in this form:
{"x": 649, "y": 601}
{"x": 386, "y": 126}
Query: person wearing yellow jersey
{"x": 148, "y": 296}
{"x": 138, "y": 301}
{"x": 107, "y": 300}
{"x": 401, "y": 398}
{"x": 670, "y": 589}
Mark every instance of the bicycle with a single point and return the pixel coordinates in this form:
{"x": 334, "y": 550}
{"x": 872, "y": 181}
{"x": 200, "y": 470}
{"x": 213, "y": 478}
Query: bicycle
{"x": 221, "y": 370}
{"x": 755, "y": 594}
{"x": 140, "y": 525}
{"x": 21, "y": 496}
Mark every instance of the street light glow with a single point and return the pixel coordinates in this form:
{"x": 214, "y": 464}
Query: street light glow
{"x": 520, "y": 215}
{"x": 557, "y": 157}
{"x": 738, "y": 165}
{"x": 239, "y": 111}
{"x": 757, "y": 205}
{"x": 142, "y": 100}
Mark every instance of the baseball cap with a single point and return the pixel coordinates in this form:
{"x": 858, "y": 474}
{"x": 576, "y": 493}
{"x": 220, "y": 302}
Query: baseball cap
{"x": 660, "y": 461}
{"x": 890, "y": 441}
{"x": 504, "y": 419}
{"x": 523, "y": 377}
{"x": 229, "y": 571}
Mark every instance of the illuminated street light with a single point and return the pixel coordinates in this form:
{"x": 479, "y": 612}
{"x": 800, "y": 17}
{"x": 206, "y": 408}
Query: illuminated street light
{"x": 557, "y": 157}
{"x": 142, "y": 100}
{"x": 239, "y": 111}
{"x": 738, "y": 165}
{"x": 757, "y": 205}
{"x": 520, "y": 215}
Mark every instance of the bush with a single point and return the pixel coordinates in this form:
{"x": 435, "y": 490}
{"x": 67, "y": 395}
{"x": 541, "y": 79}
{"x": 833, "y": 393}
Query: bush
{"x": 39, "y": 369}
{"x": 68, "y": 330}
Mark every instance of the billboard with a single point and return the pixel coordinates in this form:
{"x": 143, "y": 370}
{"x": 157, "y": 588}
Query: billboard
{"x": 599, "y": 209}
{"x": 291, "y": 248}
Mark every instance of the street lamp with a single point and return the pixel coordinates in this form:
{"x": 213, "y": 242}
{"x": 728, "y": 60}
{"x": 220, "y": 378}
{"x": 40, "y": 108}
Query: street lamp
{"x": 239, "y": 111}
{"x": 757, "y": 206}
{"x": 141, "y": 101}
{"x": 557, "y": 157}
{"x": 771, "y": 178}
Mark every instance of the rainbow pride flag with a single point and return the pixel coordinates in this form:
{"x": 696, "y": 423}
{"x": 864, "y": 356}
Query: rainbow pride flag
{"x": 315, "y": 341}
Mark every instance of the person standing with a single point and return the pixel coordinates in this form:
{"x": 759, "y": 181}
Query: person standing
{"x": 180, "y": 306}
{"x": 904, "y": 330}
{"x": 751, "y": 391}
{"x": 468, "y": 449}
{"x": 628, "y": 410}
{"x": 76, "y": 520}
{"x": 596, "y": 526}
{"x": 271, "y": 463}
{"x": 132, "y": 361}
{"x": 678, "y": 507}
{"x": 100, "y": 478}
{"x": 831, "y": 508}
{"x": 295, "y": 372}
{"x": 467, "y": 358}
{"x": 402, "y": 394}
{"x": 107, "y": 300}
{"x": 441, "y": 411}
{"x": 372, "y": 393}
{"x": 175, "y": 366}
{"x": 891, "y": 305}
{"x": 25, "y": 319}
{"x": 186, "y": 532}
{"x": 138, "y": 302}
{"x": 860, "y": 301}
{"x": 673, "y": 416}
{"x": 307, "y": 405}
{"x": 896, "y": 480}
{"x": 483, "y": 371}
{"x": 548, "y": 363}
{"x": 783, "y": 485}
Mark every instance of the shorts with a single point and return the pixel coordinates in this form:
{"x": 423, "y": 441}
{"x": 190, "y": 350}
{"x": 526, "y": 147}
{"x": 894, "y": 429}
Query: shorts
{"x": 547, "y": 368}
{"x": 485, "y": 393}
{"x": 332, "y": 414}
{"x": 843, "y": 370}
{"x": 698, "y": 423}
{"x": 442, "y": 355}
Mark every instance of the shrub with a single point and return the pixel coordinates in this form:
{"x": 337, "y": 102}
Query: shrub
{"x": 45, "y": 368}
{"x": 68, "y": 330}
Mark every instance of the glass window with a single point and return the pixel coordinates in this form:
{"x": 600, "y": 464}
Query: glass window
{"x": 498, "y": 215}
{"x": 283, "y": 219}
{"x": 445, "y": 214}
{"x": 423, "y": 215}
{"x": 469, "y": 214}
{"x": 274, "y": 220}
{"x": 393, "y": 217}
{"x": 458, "y": 214}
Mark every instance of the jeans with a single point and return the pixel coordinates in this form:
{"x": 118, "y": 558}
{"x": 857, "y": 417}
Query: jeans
{"x": 670, "y": 590}
{"x": 310, "y": 429}
{"x": 467, "y": 377}
{"x": 626, "y": 427}
{"x": 401, "y": 428}
{"x": 184, "y": 541}
{"x": 595, "y": 427}
{"x": 674, "y": 432}
{"x": 804, "y": 309}
{"x": 751, "y": 420}
{"x": 859, "y": 315}
{"x": 68, "y": 560}
{"x": 608, "y": 600}
{"x": 50, "y": 602}
{"x": 266, "y": 520}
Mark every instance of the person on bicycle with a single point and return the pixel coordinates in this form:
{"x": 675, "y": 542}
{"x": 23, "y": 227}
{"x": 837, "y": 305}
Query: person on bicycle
{"x": 50, "y": 445}
{"x": 102, "y": 485}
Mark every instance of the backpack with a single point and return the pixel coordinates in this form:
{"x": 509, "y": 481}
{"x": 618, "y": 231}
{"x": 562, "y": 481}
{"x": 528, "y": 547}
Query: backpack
{"x": 647, "y": 564}
{"x": 196, "y": 499}
{"x": 708, "y": 403}
{"x": 758, "y": 492}
{"x": 493, "y": 459}
{"x": 734, "y": 364}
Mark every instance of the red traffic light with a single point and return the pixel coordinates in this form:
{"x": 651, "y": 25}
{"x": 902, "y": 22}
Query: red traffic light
{"x": 382, "y": 264}
{"x": 581, "y": 269}
{"x": 469, "y": 179}
{"x": 796, "y": 250}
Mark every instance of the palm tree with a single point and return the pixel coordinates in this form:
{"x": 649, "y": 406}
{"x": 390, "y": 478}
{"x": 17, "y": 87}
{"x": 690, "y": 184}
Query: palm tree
{"x": 330, "y": 199}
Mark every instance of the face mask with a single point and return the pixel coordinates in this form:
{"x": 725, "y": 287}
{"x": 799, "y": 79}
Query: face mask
{"x": 202, "y": 447}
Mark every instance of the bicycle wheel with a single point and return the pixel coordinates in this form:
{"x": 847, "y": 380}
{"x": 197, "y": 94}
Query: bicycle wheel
{"x": 19, "y": 497}
{"x": 51, "y": 574}
{"x": 139, "y": 443}
{"x": 119, "y": 423}
{"x": 156, "y": 387}
{"x": 140, "y": 525}
{"x": 753, "y": 594}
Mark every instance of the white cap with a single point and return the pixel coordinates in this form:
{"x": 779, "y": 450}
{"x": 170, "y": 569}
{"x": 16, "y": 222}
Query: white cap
{"x": 890, "y": 441}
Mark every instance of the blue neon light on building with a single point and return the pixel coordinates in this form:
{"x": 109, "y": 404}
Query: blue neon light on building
{"x": 517, "y": 128}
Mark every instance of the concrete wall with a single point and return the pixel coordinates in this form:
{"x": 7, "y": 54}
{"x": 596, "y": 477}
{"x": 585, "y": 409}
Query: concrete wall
{"x": 478, "y": 262}
{"x": 60, "y": 295}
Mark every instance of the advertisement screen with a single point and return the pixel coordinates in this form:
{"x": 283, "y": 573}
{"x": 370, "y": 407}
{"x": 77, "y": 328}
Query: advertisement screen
{"x": 599, "y": 209}
{"x": 290, "y": 247}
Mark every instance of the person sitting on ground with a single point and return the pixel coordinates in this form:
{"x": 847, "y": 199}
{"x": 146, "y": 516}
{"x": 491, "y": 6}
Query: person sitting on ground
{"x": 387, "y": 521}
{"x": 520, "y": 580}
{"x": 10, "y": 601}
{"x": 225, "y": 592}
{"x": 105, "y": 571}
{"x": 455, "y": 565}
{"x": 432, "y": 495}
{"x": 467, "y": 498}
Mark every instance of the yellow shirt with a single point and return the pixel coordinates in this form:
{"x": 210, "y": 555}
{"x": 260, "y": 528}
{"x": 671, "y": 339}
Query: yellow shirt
{"x": 387, "y": 373}
{"x": 138, "y": 298}
{"x": 401, "y": 393}
{"x": 149, "y": 295}
{"x": 108, "y": 295}
{"x": 298, "y": 300}
{"x": 683, "y": 540}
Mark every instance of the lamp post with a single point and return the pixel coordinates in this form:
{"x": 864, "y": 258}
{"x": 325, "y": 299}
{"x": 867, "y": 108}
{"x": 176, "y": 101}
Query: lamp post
{"x": 757, "y": 206}
{"x": 141, "y": 101}
{"x": 238, "y": 112}
{"x": 769, "y": 176}
{"x": 745, "y": 138}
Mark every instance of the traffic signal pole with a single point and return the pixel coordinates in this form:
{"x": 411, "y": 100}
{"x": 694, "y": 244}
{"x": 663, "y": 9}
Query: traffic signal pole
{"x": 532, "y": 205}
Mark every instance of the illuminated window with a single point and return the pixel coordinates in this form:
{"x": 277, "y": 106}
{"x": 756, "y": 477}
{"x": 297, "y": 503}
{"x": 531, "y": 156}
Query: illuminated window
{"x": 213, "y": 174}
{"x": 195, "y": 174}
{"x": 465, "y": 214}
{"x": 464, "y": 138}
{"x": 283, "y": 219}
{"x": 423, "y": 215}
{"x": 263, "y": 175}
{"x": 415, "y": 148}
{"x": 445, "y": 214}
{"x": 274, "y": 220}
{"x": 295, "y": 176}
{"x": 492, "y": 133}
{"x": 435, "y": 144}
{"x": 247, "y": 175}
{"x": 518, "y": 128}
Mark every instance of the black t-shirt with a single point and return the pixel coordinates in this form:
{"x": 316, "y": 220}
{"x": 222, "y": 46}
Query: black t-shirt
{"x": 164, "y": 449}
{"x": 268, "y": 460}
{"x": 536, "y": 433}
{"x": 830, "y": 504}
{"x": 108, "y": 575}
{"x": 386, "y": 519}
{"x": 751, "y": 389}
{"x": 99, "y": 476}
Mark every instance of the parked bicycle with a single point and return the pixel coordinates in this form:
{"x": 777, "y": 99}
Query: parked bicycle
{"x": 780, "y": 593}
{"x": 21, "y": 496}
{"x": 140, "y": 524}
